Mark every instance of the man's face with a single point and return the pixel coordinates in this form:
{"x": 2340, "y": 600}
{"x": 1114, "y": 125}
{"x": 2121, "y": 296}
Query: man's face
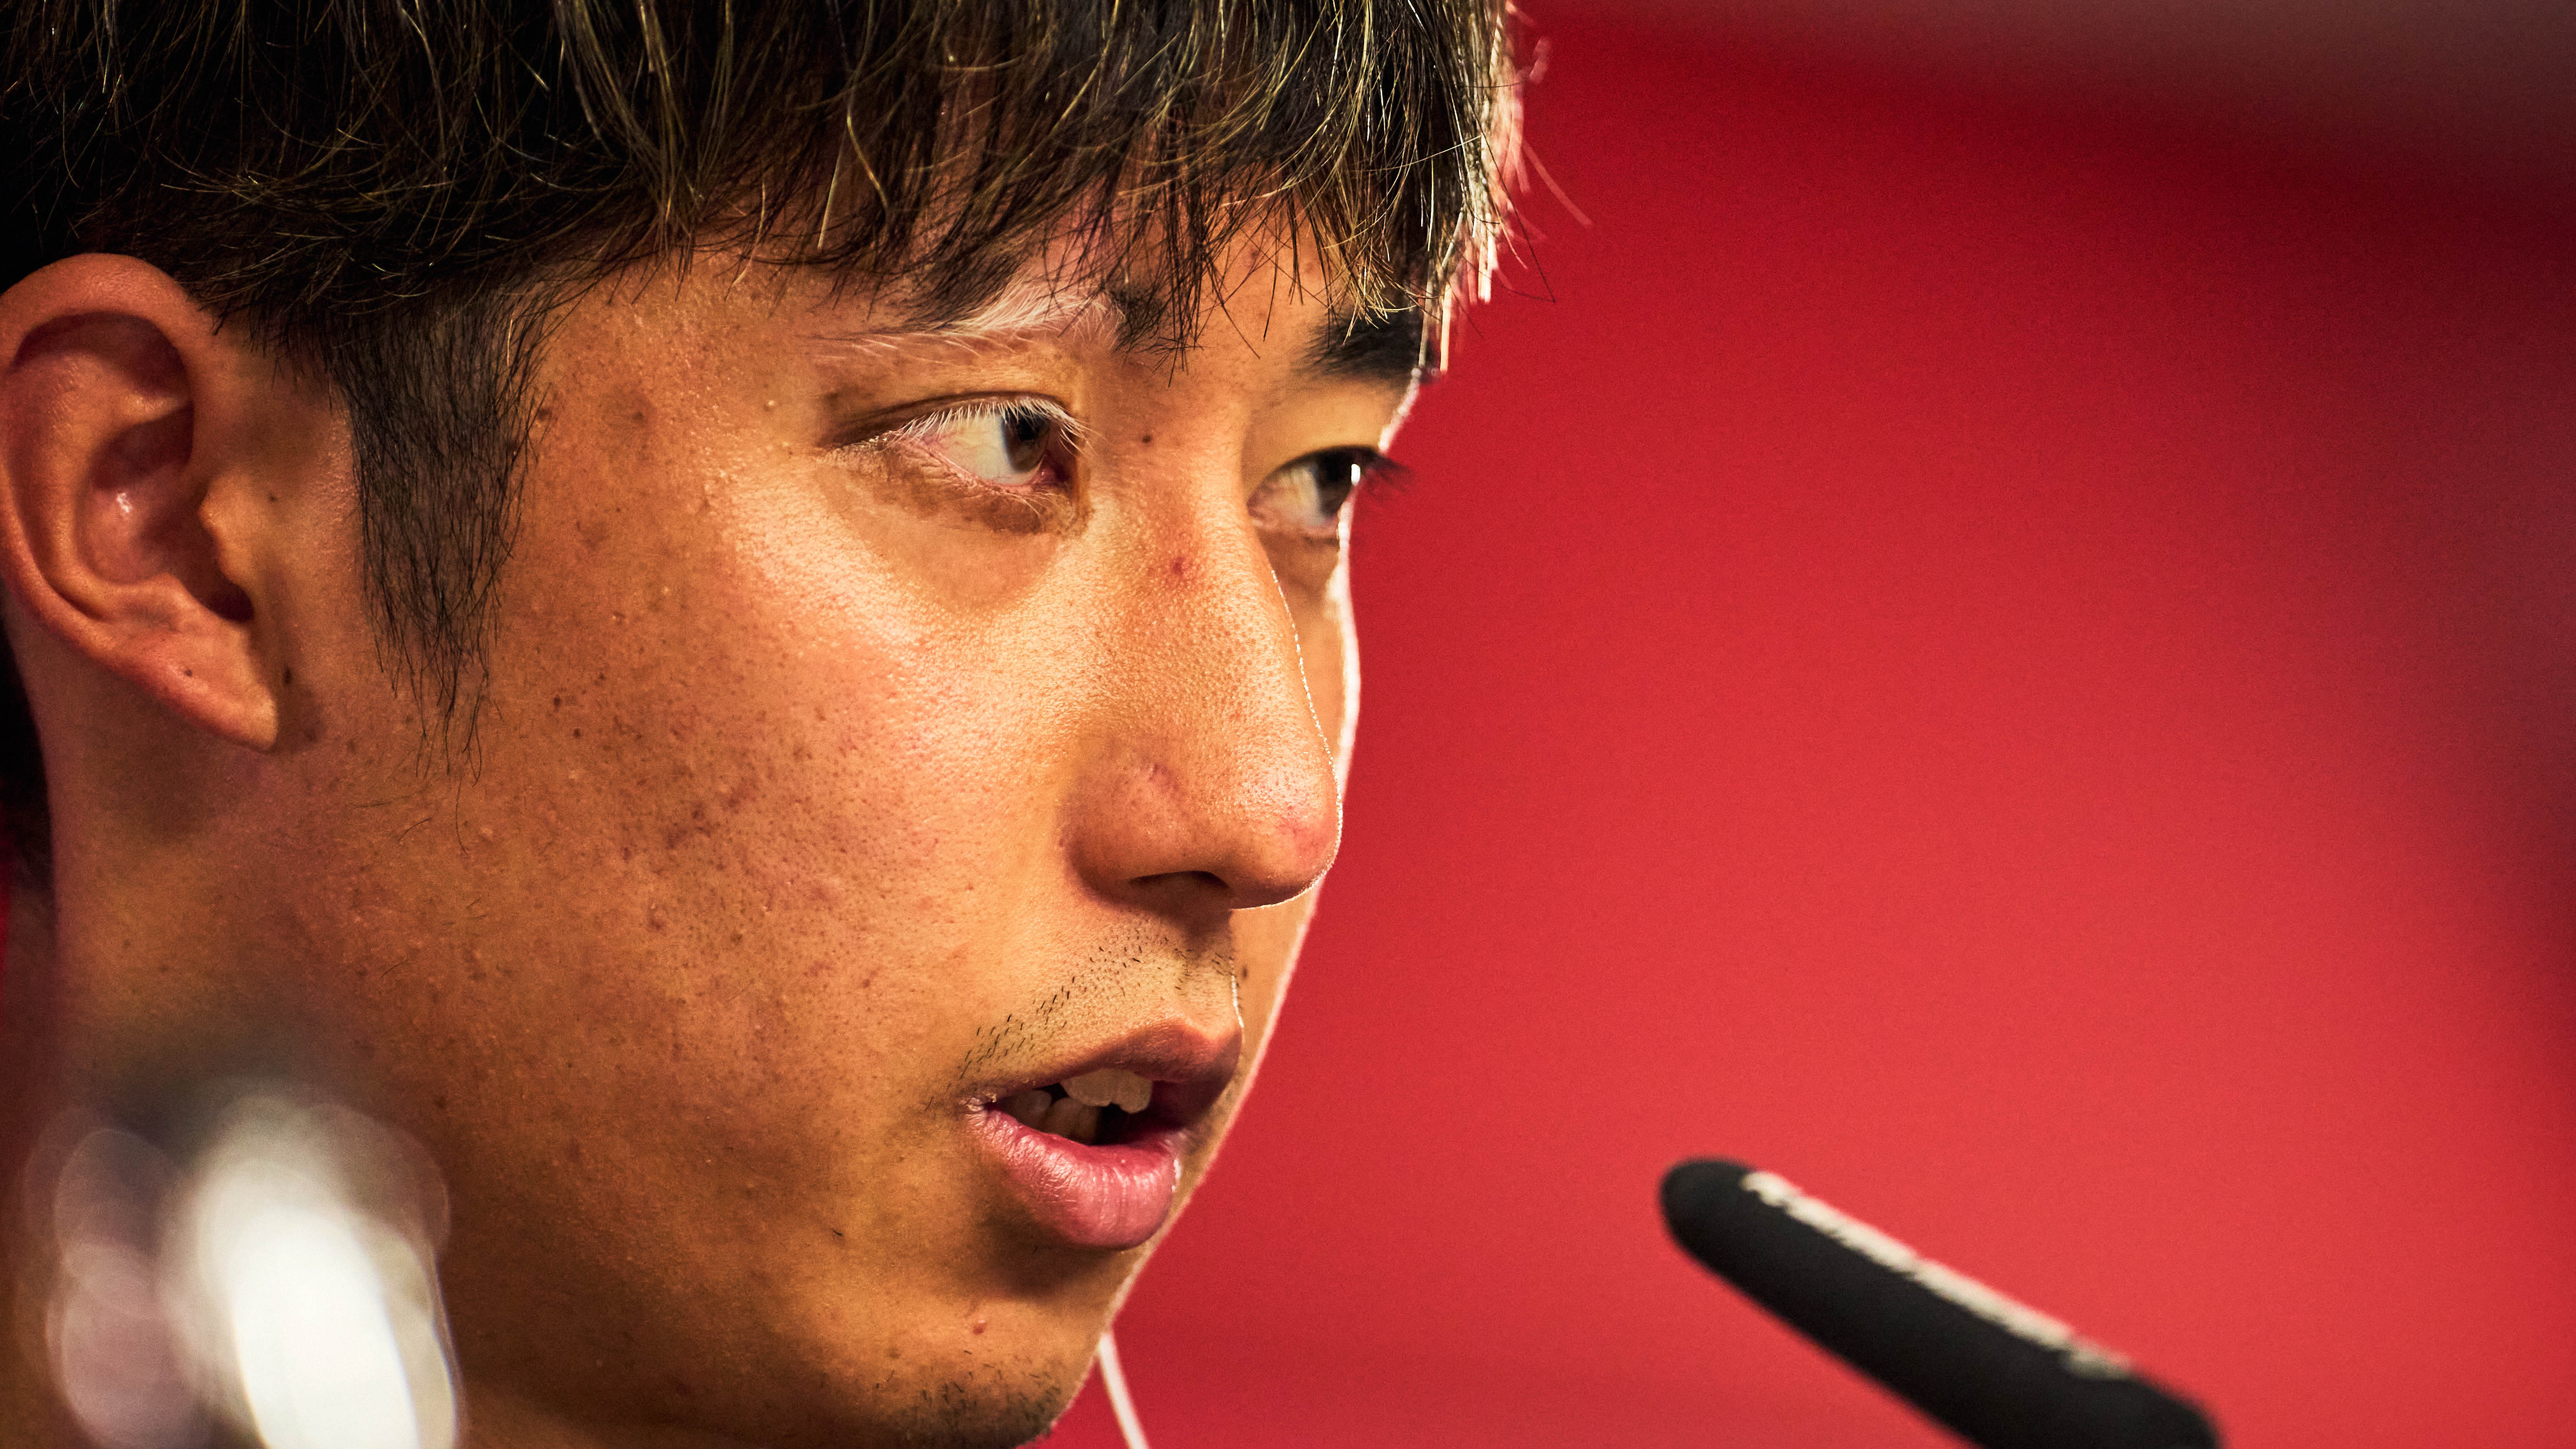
{"x": 883, "y": 730}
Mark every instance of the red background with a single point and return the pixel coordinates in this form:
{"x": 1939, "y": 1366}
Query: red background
{"x": 2011, "y": 665}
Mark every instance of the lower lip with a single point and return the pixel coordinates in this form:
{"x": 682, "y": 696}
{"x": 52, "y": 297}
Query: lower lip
{"x": 1109, "y": 1197}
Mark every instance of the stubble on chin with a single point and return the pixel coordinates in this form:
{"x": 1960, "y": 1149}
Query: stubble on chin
{"x": 975, "y": 1412}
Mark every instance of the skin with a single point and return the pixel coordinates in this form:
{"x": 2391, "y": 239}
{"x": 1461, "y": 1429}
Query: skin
{"x": 815, "y": 783}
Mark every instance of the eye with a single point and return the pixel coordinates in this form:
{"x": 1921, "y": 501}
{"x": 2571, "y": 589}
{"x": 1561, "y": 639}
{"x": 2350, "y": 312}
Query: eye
{"x": 1308, "y": 496}
{"x": 1020, "y": 444}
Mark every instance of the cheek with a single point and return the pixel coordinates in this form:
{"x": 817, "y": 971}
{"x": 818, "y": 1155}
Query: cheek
{"x": 755, "y": 798}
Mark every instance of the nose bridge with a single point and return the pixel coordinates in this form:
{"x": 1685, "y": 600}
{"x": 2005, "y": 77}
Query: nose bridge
{"x": 1215, "y": 769}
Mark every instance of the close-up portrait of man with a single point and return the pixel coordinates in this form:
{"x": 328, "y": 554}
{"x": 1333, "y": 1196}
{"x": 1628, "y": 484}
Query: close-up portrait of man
{"x": 727, "y": 622}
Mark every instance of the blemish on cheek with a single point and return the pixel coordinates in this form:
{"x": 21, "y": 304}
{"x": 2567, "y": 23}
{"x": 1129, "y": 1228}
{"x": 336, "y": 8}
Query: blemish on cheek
{"x": 1180, "y": 566}
{"x": 979, "y": 1325}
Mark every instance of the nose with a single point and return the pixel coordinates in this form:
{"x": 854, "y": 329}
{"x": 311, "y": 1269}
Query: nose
{"x": 1209, "y": 784}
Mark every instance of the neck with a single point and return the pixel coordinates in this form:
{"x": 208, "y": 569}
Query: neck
{"x": 31, "y": 1413}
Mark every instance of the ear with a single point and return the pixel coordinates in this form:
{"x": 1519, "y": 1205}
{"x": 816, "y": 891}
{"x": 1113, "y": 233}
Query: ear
{"x": 129, "y": 450}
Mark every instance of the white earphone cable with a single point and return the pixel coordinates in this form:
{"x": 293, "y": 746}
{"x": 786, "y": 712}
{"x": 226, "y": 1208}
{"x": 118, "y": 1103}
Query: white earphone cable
{"x": 1114, "y": 1379}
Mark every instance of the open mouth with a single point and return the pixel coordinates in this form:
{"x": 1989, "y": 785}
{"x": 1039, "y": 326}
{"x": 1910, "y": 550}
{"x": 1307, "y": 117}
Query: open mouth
{"x": 1097, "y": 1109}
{"x": 1094, "y": 1156}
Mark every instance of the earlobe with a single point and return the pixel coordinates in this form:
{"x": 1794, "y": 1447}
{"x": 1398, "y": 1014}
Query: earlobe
{"x": 117, "y": 401}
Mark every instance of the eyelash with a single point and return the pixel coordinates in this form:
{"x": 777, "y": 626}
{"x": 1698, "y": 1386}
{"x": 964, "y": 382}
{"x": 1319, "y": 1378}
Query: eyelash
{"x": 1022, "y": 409}
{"x": 1061, "y": 446}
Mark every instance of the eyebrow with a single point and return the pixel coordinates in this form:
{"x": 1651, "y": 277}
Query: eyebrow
{"x": 1373, "y": 347}
{"x": 1378, "y": 347}
{"x": 1017, "y": 314}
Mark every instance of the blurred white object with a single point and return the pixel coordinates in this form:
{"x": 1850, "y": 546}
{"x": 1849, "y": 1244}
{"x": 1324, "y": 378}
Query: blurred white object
{"x": 284, "y": 1282}
{"x": 114, "y": 1354}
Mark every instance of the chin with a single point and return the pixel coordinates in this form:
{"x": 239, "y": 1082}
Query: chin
{"x": 1004, "y": 1386}
{"x": 952, "y": 1406}
{"x": 960, "y": 1404}
{"x": 971, "y": 1416}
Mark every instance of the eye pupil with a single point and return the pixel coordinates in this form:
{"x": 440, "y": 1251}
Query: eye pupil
{"x": 1311, "y": 497}
{"x": 1024, "y": 437}
{"x": 1337, "y": 475}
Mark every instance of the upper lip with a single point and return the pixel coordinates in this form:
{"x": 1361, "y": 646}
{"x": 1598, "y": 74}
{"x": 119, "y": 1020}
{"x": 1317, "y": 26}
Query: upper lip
{"x": 1190, "y": 1069}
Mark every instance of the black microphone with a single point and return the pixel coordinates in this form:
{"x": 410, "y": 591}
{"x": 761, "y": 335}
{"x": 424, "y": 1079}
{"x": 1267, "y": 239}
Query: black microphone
{"x": 2002, "y": 1375}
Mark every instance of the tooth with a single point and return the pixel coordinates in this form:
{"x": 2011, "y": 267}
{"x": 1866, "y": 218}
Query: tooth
{"x": 1111, "y": 1087}
{"x": 1027, "y": 1108}
{"x": 1094, "y": 1089}
{"x": 1062, "y": 1115}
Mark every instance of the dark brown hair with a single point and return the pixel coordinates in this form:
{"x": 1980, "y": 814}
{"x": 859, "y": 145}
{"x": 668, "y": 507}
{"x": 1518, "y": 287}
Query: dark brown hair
{"x": 396, "y": 192}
